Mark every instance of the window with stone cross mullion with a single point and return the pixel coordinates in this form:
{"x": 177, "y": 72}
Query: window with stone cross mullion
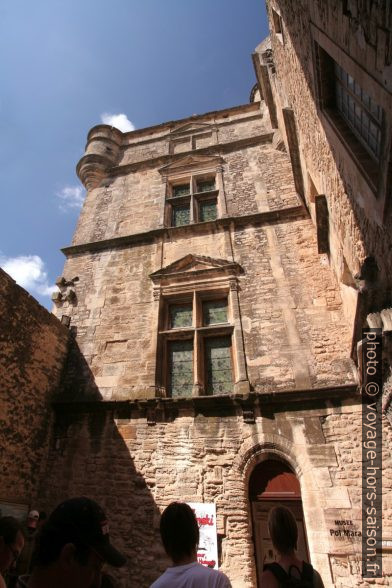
{"x": 354, "y": 115}
{"x": 198, "y": 352}
{"x": 192, "y": 200}
{"x": 181, "y": 203}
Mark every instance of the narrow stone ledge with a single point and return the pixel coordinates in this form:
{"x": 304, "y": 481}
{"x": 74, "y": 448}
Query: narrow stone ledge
{"x": 269, "y": 217}
{"x": 245, "y": 405}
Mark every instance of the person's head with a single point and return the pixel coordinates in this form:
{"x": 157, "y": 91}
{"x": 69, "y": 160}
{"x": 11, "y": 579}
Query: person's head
{"x": 74, "y": 542}
{"x": 283, "y": 529}
{"x": 179, "y": 531}
{"x": 32, "y": 521}
{"x": 11, "y": 542}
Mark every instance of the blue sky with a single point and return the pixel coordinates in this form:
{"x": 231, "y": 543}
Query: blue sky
{"x": 65, "y": 63}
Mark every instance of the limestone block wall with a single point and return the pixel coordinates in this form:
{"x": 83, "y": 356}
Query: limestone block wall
{"x": 294, "y": 329}
{"x": 344, "y": 432}
{"x": 134, "y": 469}
{"x": 132, "y": 200}
{"x": 256, "y": 179}
{"x": 145, "y": 148}
{"x": 33, "y": 348}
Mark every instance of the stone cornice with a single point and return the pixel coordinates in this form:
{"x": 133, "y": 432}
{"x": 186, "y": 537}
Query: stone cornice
{"x": 168, "y": 125}
{"x": 217, "y": 149}
{"x": 170, "y": 134}
{"x": 251, "y": 405}
{"x": 275, "y": 216}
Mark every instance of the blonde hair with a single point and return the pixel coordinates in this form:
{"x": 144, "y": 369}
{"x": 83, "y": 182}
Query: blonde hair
{"x": 282, "y": 529}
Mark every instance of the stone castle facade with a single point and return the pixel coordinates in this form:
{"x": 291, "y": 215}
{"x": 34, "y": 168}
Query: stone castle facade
{"x": 211, "y": 304}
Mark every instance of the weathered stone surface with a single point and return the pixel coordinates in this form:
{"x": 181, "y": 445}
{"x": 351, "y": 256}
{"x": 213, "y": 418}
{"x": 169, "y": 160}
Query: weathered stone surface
{"x": 33, "y": 349}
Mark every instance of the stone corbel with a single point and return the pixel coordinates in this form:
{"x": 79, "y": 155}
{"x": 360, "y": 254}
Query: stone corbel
{"x": 248, "y": 414}
{"x": 378, "y": 320}
{"x": 386, "y": 317}
{"x": 66, "y": 292}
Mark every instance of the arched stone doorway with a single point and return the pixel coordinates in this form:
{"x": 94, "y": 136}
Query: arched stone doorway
{"x": 272, "y": 483}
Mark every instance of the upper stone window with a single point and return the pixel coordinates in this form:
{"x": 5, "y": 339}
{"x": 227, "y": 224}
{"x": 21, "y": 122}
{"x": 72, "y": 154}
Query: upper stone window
{"x": 193, "y": 197}
{"x": 193, "y": 202}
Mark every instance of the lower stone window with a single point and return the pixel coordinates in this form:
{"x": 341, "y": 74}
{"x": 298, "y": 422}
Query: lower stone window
{"x": 218, "y": 365}
{"x": 207, "y": 210}
{"x": 197, "y": 346}
{"x": 180, "y": 368}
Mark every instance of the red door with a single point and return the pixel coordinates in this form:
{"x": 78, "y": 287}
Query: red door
{"x": 273, "y": 483}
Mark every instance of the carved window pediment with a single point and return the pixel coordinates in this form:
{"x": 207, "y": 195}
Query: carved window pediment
{"x": 196, "y": 268}
{"x": 191, "y": 163}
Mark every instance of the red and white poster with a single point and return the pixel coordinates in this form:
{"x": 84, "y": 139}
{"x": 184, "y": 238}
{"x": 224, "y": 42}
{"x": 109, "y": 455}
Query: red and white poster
{"x": 207, "y": 554}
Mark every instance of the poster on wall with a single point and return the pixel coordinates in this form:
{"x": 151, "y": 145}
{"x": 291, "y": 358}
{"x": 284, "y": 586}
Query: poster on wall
{"x": 207, "y": 554}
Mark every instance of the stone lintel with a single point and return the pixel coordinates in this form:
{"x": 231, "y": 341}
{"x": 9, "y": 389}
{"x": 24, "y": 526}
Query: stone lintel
{"x": 269, "y": 217}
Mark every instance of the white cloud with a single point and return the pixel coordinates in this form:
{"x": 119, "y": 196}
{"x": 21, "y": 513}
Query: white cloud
{"x": 71, "y": 197}
{"x": 29, "y": 272}
{"x": 120, "y": 121}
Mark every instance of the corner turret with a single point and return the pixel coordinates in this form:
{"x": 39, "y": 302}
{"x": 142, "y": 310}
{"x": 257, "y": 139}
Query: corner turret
{"x": 102, "y": 151}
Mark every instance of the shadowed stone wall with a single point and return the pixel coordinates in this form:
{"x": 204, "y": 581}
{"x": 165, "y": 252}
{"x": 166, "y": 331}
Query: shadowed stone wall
{"x": 33, "y": 349}
{"x": 135, "y": 460}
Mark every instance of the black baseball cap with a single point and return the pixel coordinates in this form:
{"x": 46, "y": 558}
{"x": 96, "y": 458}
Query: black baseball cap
{"x": 85, "y": 519}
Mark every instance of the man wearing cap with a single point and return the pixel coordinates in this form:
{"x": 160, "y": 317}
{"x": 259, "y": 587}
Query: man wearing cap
{"x": 11, "y": 544}
{"x": 72, "y": 547}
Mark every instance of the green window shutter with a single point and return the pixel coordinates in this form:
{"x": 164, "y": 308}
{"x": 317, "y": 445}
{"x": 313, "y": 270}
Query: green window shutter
{"x": 180, "y": 215}
{"x": 206, "y": 186}
{"x": 214, "y": 311}
{"x": 207, "y": 210}
{"x": 180, "y": 315}
{"x": 182, "y": 190}
{"x": 218, "y": 365}
{"x": 181, "y": 368}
